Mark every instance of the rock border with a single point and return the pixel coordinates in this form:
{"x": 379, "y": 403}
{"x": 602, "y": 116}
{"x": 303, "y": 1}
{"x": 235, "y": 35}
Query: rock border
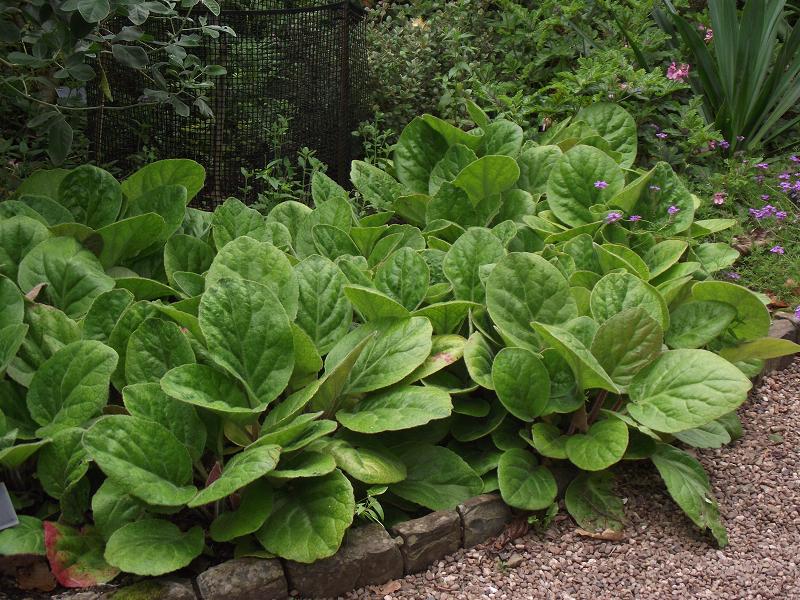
{"x": 371, "y": 555}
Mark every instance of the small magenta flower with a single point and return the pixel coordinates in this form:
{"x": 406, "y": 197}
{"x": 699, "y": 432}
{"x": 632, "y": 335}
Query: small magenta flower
{"x": 655, "y": 188}
{"x": 777, "y": 250}
{"x": 600, "y": 184}
{"x": 784, "y": 175}
{"x": 759, "y": 178}
{"x": 709, "y": 35}
{"x": 762, "y": 165}
{"x": 724, "y": 144}
{"x": 719, "y": 198}
{"x": 678, "y": 72}
{"x": 733, "y": 275}
{"x": 794, "y": 158}
{"x": 797, "y": 312}
{"x": 781, "y": 215}
{"x": 765, "y": 197}
{"x": 613, "y": 216}
{"x": 634, "y": 218}
{"x": 785, "y": 186}
{"x": 662, "y": 135}
{"x": 673, "y": 210}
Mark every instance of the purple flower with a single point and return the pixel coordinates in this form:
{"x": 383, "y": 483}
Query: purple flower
{"x": 661, "y": 135}
{"x": 724, "y": 144}
{"x": 613, "y": 216}
{"x": 777, "y": 250}
{"x": 785, "y": 186}
{"x": 765, "y": 197}
{"x": 673, "y": 210}
{"x": 635, "y": 218}
{"x": 794, "y": 158}
{"x": 709, "y": 34}
{"x": 784, "y": 175}
{"x": 678, "y": 72}
{"x": 740, "y": 138}
{"x": 762, "y": 165}
{"x": 600, "y": 184}
{"x": 719, "y": 198}
{"x": 655, "y": 188}
{"x": 759, "y": 178}
{"x": 768, "y": 209}
{"x": 781, "y": 215}
{"x": 733, "y": 275}
{"x": 797, "y": 312}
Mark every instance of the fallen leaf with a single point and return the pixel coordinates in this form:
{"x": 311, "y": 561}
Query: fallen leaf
{"x": 607, "y": 534}
{"x": 513, "y": 530}
{"x": 390, "y": 587}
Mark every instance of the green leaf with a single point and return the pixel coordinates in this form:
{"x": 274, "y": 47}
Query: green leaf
{"x": 710, "y": 435}
{"x": 653, "y": 205}
{"x": 535, "y": 165}
{"x": 688, "y": 485}
{"x": 416, "y": 153}
{"x": 208, "y": 388}
{"x": 378, "y": 188}
{"x": 25, "y": 538}
{"x": 18, "y": 236}
{"x": 148, "y": 401}
{"x": 112, "y": 508}
{"x": 249, "y": 335}
{"x": 307, "y": 463}
{"x": 186, "y": 253}
{"x": 153, "y": 349}
{"x": 309, "y": 518}
{"x": 168, "y": 202}
{"x": 374, "y": 305}
{"x": 59, "y": 140}
{"x": 591, "y": 501}
{"x": 242, "y": 470}
{"x": 453, "y": 162}
{"x": 523, "y": 288}
{"x": 615, "y": 125}
{"x": 14, "y": 456}
{"x": 501, "y": 137}
{"x": 453, "y": 204}
{"x": 134, "y": 57}
{"x": 523, "y": 483}
{"x": 93, "y": 11}
{"x": 247, "y": 259}
{"x": 446, "y": 317}
{"x": 76, "y": 557}
{"x": 521, "y": 382}
{"x": 762, "y": 349}
{"x": 404, "y": 277}
{"x": 177, "y": 171}
{"x": 588, "y": 372}
{"x": 370, "y": 465}
{"x": 253, "y": 510}
{"x": 73, "y": 275}
{"x": 326, "y": 394}
{"x": 487, "y": 176}
{"x": 323, "y": 188}
{"x": 477, "y": 247}
{"x": 437, "y": 477}
{"x": 71, "y": 387}
{"x": 11, "y": 339}
{"x": 752, "y": 316}
{"x": 92, "y": 195}
{"x": 626, "y": 343}
{"x": 571, "y": 189}
{"x": 397, "y": 408}
{"x": 62, "y": 463}
{"x": 600, "y": 447}
{"x": 617, "y": 292}
{"x": 683, "y": 389}
{"x": 104, "y": 313}
{"x": 478, "y": 357}
{"x": 549, "y": 441}
{"x": 153, "y": 547}
{"x": 332, "y": 242}
{"x": 715, "y": 257}
{"x": 143, "y": 457}
{"x": 445, "y": 350}
{"x": 695, "y": 324}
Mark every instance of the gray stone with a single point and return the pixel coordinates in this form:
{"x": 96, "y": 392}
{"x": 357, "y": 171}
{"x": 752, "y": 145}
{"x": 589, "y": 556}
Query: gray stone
{"x": 514, "y": 560}
{"x": 429, "y": 538}
{"x": 244, "y": 579}
{"x": 483, "y": 517}
{"x": 783, "y": 329}
{"x": 368, "y": 556}
{"x": 152, "y": 589}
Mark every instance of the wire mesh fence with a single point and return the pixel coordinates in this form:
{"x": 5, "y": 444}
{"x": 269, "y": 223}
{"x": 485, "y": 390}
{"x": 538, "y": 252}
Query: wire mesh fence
{"x": 300, "y": 63}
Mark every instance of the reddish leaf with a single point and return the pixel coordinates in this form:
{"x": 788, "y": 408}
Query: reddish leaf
{"x": 31, "y": 295}
{"x": 214, "y": 474}
{"x": 76, "y": 557}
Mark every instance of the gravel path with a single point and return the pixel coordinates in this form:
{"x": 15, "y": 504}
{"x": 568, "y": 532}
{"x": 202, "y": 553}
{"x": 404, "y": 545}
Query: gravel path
{"x": 757, "y": 483}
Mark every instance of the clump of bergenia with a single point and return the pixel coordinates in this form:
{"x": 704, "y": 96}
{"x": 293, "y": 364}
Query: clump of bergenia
{"x": 507, "y": 311}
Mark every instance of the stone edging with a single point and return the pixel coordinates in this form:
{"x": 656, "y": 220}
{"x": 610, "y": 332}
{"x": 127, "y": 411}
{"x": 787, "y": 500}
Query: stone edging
{"x": 369, "y": 555}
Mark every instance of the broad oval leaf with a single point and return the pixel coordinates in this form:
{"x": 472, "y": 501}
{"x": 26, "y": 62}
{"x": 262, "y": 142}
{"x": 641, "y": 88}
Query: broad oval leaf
{"x": 404, "y": 277}
{"x": 243, "y": 469}
{"x": 626, "y": 343}
{"x": 615, "y": 125}
{"x": 477, "y": 247}
{"x": 752, "y": 316}
{"x": 524, "y": 484}
{"x": 695, "y": 324}
{"x": 175, "y": 171}
{"x": 591, "y": 501}
{"x": 153, "y": 349}
{"x": 206, "y": 387}
{"x": 92, "y": 195}
{"x": 153, "y": 547}
{"x": 616, "y": 292}
{"x": 603, "y": 445}
{"x": 324, "y": 312}
{"x": 76, "y": 556}
{"x": 522, "y": 382}
{"x": 397, "y": 408}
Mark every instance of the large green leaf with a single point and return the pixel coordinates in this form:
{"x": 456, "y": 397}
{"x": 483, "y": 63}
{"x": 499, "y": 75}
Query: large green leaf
{"x": 249, "y": 334}
{"x": 18, "y": 236}
{"x": 233, "y": 220}
{"x": 477, "y": 247}
{"x": 663, "y": 255}
{"x": 617, "y": 292}
{"x": 112, "y": 508}
{"x": 535, "y": 165}
{"x": 591, "y": 501}
{"x": 397, "y": 408}
{"x": 206, "y": 387}
{"x": 486, "y": 177}
{"x": 501, "y": 137}
{"x": 76, "y": 557}
{"x": 309, "y": 518}
{"x": 153, "y": 547}
{"x": 62, "y": 463}
{"x": 615, "y": 125}
{"x": 688, "y": 485}
{"x": 374, "y": 305}
{"x": 603, "y": 445}
{"x": 416, "y": 153}
{"x": 404, "y": 277}
{"x": 695, "y": 324}
{"x": 148, "y": 401}
{"x": 665, "y": 189}
{"x": 243, "y": 469}
{"x": 454, "y": 160}
{"x": 446, "y": 317}
{"x": 25, "y": 538}
{"x": 168, "y": 202}
{"x": 11, "y": 338}
{"x": 143, "y": 457}
{"x": 176, "y": 171}
{"x": 127, "y": 238}
{"x": 752, "y": 316}
{"x": 377, "y": 187}
{"x": 523, "y": 482}
{"x": 246, "y": 258}
{"x": 521, "y": 382}
{"x": 437, "y": 477}
{"x": 153, "y": 349}
{"x": 572, "y": 187}
{"x": 626, "y": 343}
{"x": 371, "y": 465}
{"x": 478, "y": 357}
{"x": 92, "y": 195}
{"x": 186, "y": 253}
{"x": 249, "y": 516}
{"x": 684, "y": 389}
{"x": 71, "y": 387}
{"x": 761, "y": 349}
{"x": 73, "y": 275}
{"x": 523, "y": 288}
{"x": 104, "y": 313}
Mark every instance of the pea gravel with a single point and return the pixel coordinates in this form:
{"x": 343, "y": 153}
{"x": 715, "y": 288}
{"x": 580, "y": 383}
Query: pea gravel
{"x": 756, "y": 481}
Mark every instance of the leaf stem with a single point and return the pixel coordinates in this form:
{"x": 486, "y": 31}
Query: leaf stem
{"x": 597, "y": 405}
{"x": 579, "y": 421}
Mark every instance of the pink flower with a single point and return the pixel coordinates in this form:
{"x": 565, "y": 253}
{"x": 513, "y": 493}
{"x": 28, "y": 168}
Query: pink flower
{"x": 765, "y": 197}
{"x": 719, "y": 198}
{"x": 797, "y": 312}
{"x": 724, "y": 144}
{"x": 678, "y": 72}
{"x": 781, "y": 215}
{"x": 733, "y": 275}
{"x": 600, "y": 184}
{"x": 634, "y": 218}
{"x": 762, "y": 165}
{"x": 709, "y": 34}
{"x": 613, "y": 217}
{"x": 777, "y": 250}
{"x": 673, "y": 210}
{"x": 661, "y": 135}
{"x": 794, "y": 158}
